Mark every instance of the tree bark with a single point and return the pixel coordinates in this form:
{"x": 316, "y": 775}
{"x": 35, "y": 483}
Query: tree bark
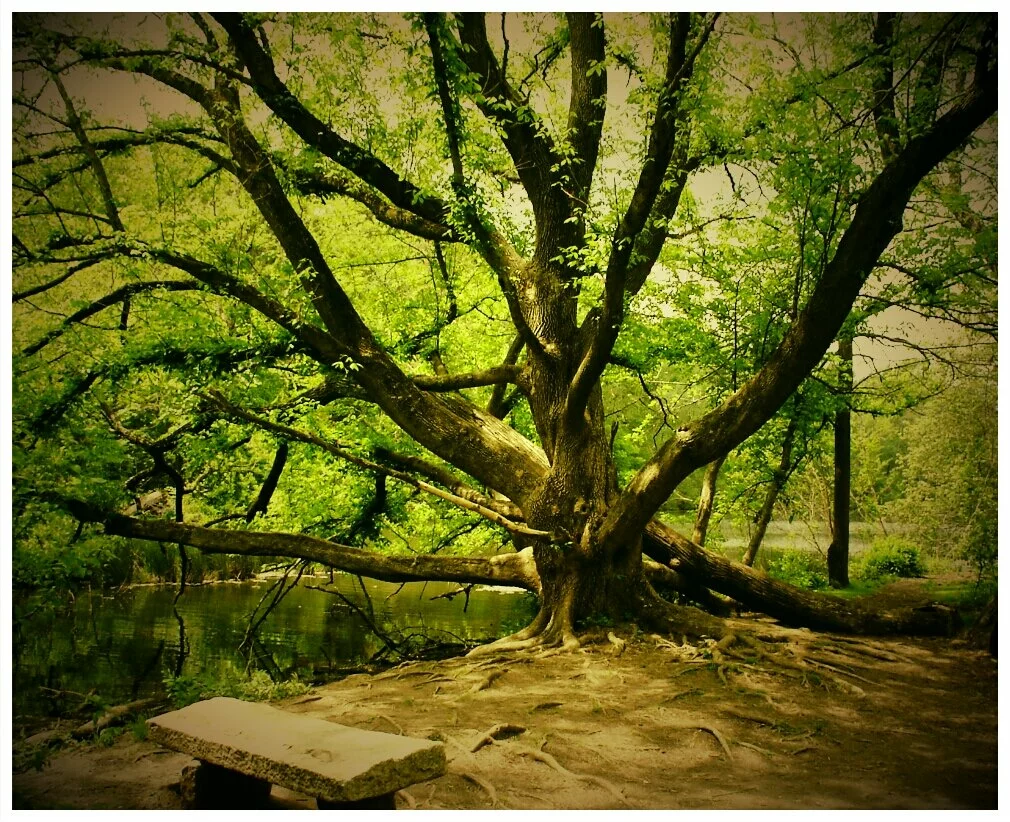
{"x": 838, "y": 550}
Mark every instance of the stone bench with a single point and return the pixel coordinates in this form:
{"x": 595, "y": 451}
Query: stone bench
{"x": 246, "y": 747}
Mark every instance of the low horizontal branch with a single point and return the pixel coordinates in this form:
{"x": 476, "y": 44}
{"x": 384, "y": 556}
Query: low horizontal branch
{"x": 517, "y": 569}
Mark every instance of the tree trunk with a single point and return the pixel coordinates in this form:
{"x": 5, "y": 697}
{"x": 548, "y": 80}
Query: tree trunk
{"x": 790, "y": 605}
{"x": 771, "y": 497}
{"x": 706, "y": 501}
{"x": 838, "y": 551}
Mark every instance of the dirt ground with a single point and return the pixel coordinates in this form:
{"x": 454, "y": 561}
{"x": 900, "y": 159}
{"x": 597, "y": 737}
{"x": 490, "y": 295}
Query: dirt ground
{"x": 895, "y": 723}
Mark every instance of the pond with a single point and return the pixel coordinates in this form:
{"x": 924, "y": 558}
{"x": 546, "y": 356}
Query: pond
{"x": 122, "y": 645}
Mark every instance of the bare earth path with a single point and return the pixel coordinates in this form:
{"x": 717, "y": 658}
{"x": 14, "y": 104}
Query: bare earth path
{"x": 654, "y": 726}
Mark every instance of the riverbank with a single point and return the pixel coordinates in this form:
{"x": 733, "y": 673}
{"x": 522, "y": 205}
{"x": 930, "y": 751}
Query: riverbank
{"x": 649, "y": 727}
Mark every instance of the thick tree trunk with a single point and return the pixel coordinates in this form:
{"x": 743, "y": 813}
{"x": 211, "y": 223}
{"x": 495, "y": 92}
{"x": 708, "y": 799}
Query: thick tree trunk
{"x": 706, "y": 500}
{"x": 771, "y": 496}
{"x": 791, "y": 606}
{"x": 838, "y": 551}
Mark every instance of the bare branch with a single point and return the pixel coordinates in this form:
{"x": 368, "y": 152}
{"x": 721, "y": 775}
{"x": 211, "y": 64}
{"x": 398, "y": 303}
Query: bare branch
{"x": 74, "y": 121}
{"x": 323, "y": 184}
{"x": 588, "y": 104}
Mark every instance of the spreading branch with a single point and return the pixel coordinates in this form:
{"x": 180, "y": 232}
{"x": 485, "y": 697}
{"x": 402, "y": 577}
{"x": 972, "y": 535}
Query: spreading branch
{"x": 877, "y": 219}
{"x": 601, "y": 327}
{"x": 363, "y": 164}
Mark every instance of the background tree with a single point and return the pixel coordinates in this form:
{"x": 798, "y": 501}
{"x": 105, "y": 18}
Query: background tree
{"x": 255, "y": 291}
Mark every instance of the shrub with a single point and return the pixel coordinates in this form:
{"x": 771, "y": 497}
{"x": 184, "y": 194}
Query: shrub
{"x": 891, "y": 557}
{"x": 800, "y": 568}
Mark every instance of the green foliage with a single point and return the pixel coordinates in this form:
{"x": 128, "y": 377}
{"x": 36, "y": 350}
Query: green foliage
{"x": 35, "y": 757}
{"x": 891, "y": 556}
{"x": 139, "y": 729}
{"x": 185, "y": 689}
{"x": 803, "y": 569}
{"x": 951, "y": 468}
{"x": 744, "y": 255}
{"x": 256, "y": 687}
{"x": 107, "y": 736}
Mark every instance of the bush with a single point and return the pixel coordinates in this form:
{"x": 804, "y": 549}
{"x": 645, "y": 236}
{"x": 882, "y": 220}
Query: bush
{"x": 891, "y": 557}
{"x": 800, "y": 568}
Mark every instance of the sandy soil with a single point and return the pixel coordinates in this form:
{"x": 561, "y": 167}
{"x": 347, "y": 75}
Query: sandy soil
{"x": 896, "y": 723}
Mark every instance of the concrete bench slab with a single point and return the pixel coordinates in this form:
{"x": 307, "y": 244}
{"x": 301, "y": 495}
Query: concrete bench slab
{"x": 336, "y": 764}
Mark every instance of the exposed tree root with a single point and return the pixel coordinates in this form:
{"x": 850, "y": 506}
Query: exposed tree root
{"x": 487, "y": 681}
{"x": 730, "y": 646}
{"x": 755, "y": 718}
{"x": 550, "y": 633}
{"x": 696, "y": 726}
{"x": 504, "y": 730}
{"x": 521, "y": 640}
{"x": 399, "y": 728}
{"x": 481, "y": 783}
{"x": 618, "y": 643}
{"x": 547, "y": 759}
{"x": 760, "y": 750}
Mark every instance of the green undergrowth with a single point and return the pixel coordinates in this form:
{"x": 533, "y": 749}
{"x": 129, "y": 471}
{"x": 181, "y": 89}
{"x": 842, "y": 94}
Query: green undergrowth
{"x": 257, "y": 687}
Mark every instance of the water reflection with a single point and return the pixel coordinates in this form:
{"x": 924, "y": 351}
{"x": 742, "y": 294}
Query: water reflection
{"x": 122, "y": 645}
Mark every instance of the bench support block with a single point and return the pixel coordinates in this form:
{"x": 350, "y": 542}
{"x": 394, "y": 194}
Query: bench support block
{"x": 385, "y": 802}
{"x": 205, "y": 786}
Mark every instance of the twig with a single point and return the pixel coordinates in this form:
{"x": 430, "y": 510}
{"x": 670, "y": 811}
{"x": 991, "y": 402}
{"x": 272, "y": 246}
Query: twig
{"x": 820, "y": 664}
{"x": 755, "y": 748}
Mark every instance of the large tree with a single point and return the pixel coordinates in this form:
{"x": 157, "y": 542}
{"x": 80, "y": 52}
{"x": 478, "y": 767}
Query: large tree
{"x": 547, "y": 172}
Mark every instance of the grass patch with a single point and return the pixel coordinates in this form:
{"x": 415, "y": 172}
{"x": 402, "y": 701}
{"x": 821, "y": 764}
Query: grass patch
{"x": 858, "y": 588}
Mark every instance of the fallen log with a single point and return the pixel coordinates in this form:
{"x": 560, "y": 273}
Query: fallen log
{"x": 792, "y": 606}
{"x": 116, "y": 716}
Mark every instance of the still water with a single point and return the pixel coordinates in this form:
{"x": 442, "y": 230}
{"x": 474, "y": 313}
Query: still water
{"x": 122, "y": 645}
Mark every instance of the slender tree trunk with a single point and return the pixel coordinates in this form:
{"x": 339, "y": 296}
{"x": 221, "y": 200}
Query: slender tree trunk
{"x": 771, "y": 496}
{"x": 838, "y": 551}
{"x": 706, "y": 502}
